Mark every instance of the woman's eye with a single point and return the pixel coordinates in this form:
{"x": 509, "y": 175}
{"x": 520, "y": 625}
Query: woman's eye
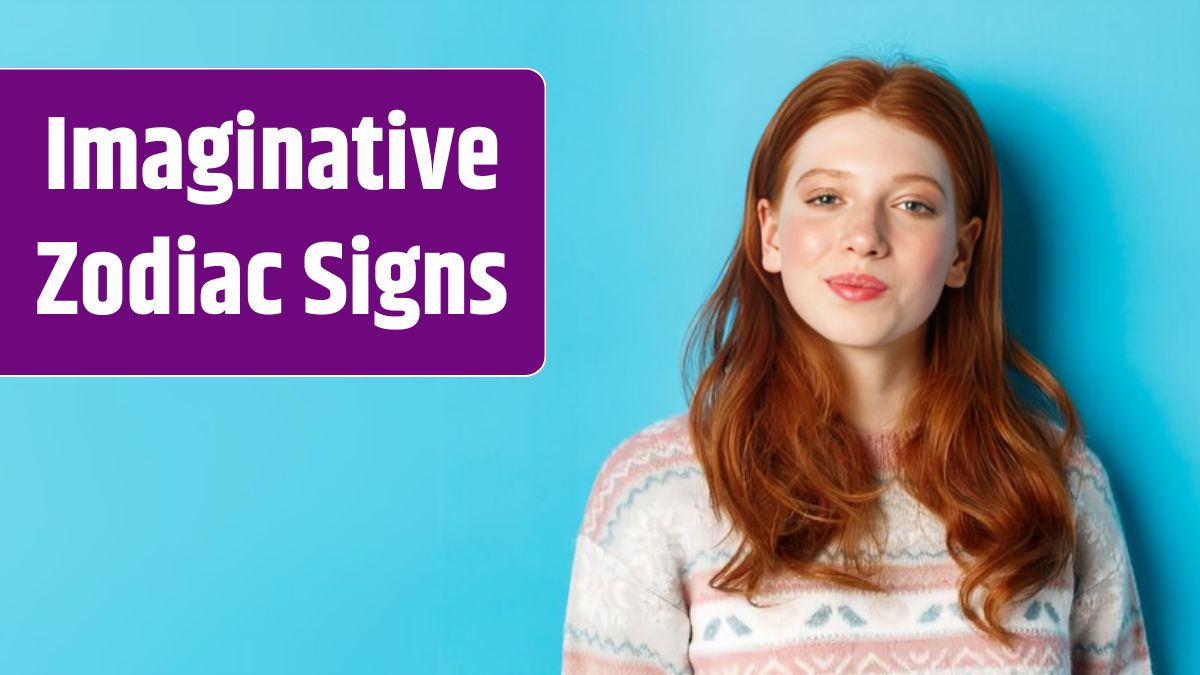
{"x": 921, "y": 205}
{"x": 818, "y": 200}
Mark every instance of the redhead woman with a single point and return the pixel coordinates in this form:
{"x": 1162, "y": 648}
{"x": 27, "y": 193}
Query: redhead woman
{"x": 856, "y": 485}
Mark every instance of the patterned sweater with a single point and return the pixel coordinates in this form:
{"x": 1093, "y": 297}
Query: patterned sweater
{"x": 640, "y": 603}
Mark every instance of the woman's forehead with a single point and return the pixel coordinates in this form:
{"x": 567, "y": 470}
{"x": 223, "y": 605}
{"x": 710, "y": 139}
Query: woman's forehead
{"x": 863, "y": 145}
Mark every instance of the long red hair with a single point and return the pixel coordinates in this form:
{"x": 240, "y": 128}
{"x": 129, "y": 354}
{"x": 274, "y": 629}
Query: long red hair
{"x": 790, "y": 471}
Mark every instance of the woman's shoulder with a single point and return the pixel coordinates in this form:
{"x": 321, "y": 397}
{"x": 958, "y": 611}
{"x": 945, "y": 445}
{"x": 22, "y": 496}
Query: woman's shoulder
{"x": 1087, "y": 479}
{"x": 1101, "y": 547}
{"x": 663, "y": 439}
{"x": 1086, "y": 476}
{"x": 648, "y": 476}
{"x": 659, "y": 446}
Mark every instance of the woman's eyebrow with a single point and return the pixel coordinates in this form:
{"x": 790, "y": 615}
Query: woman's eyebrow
{"x": 902, "y": 178}
{"x": 906, "y": 177}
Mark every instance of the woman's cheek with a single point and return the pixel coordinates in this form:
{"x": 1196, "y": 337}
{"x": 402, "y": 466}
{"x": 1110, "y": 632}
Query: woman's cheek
{"x": 930, "y": 269}
{"x": 804, "y": 243}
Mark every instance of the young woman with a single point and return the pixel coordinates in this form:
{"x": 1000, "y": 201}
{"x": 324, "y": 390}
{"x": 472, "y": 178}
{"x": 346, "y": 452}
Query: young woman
{"x": 856, "y": 486}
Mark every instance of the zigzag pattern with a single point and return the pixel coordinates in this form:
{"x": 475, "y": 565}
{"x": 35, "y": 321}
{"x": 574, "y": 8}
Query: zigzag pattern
{"x": 1130, "y": 626}
{"x": 650, "y": 480}
{"x": 645, "y": 449}
{"x": 1082, "y": 477}
{"x": 624, "y": 648}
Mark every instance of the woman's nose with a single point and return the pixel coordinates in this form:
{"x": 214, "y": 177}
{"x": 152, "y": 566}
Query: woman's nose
{"x": 864, "y": 233}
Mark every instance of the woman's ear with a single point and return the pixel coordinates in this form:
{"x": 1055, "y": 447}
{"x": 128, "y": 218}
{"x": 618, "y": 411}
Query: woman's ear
{"x": 968, "y": 234}
{"x": 769, "y": 229}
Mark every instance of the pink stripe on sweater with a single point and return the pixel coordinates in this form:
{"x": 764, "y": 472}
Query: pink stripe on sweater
{"x": 892, "y": 578}
{"x": 673, "y": 430}
{"x": 579, "y": 662}
{"x": 890, "y": 655}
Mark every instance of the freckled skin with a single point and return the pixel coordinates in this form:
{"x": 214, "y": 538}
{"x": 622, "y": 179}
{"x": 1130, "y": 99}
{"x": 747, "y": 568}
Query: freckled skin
{"x": 870, "y": 224}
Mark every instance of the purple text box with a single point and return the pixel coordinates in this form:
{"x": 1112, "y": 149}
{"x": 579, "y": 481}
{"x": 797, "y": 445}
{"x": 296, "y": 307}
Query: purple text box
{"x": 496, "y": 207}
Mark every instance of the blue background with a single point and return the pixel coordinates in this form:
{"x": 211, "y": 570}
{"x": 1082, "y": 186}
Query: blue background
{"x": 422, "y": 525}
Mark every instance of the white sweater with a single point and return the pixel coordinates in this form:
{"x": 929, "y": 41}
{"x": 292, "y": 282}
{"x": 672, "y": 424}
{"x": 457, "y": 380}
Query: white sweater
{"x": 639, "y": 600}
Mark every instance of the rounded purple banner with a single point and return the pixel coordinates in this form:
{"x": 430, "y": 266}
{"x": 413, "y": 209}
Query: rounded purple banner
{"x": 274, "y": 222}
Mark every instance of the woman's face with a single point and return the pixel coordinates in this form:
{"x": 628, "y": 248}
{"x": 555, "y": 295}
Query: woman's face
{"x": 866, "y": 196}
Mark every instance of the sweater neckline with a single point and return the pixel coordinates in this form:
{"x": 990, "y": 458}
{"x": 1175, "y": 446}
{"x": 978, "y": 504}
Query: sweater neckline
{"x": 883, "y": 446}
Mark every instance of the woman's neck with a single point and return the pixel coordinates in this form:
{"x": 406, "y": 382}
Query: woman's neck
{"x": 879, "y": 381}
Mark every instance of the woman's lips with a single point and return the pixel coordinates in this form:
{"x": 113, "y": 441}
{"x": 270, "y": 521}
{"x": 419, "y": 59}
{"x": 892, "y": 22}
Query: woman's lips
{"x": 856, "y": 287}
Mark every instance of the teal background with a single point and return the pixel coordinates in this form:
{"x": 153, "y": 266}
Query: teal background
{"x": 422, "y": 525}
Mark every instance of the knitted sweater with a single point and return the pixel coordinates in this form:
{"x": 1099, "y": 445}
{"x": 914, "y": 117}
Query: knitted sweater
{"x": 640, "y": 603}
